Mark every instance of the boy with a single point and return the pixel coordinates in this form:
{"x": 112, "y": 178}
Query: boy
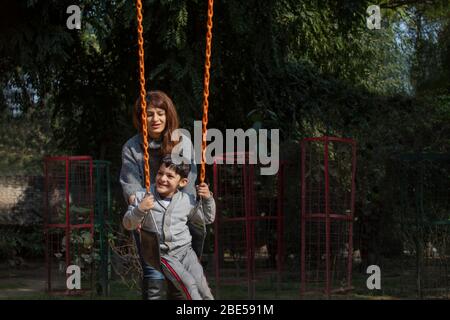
{"x": 167, "y": 211}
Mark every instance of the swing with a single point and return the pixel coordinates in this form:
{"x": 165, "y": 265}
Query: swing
{"x": 150, "y": 240}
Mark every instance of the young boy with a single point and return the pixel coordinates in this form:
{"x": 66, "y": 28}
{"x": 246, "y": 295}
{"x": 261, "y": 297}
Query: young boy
{"x": 166, "y": 211}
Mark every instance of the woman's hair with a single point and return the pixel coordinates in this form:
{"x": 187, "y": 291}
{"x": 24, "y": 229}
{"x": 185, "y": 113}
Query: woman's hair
{"x": 158, "y": 99}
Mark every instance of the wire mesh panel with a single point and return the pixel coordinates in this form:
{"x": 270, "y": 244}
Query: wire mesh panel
{"x": 424, "y": 216}
{"x": 102, "y": 215}
{"x": 248, "y": 230}
{"x": 230, "y": 231}
{"x": 435, "y": 207}
{"x": 267, "y": 228}
{"x": 436, "y": 269}
{"x": 69, "y": 221}
{"x": 56, "y": 198}
{"x": 328, "y": 190}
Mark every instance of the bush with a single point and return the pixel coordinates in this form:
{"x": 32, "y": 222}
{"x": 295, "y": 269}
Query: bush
{"x": 25, "y": 242}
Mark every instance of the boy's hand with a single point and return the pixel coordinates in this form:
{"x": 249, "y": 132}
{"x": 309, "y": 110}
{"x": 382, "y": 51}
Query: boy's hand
{"x": 147, "y": 203}
{"x": 203, "y": 191}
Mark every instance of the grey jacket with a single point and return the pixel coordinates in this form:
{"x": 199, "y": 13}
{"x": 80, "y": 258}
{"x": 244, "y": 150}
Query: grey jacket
{"x": 171, "y": 223}
{"x": 132, "y": 171}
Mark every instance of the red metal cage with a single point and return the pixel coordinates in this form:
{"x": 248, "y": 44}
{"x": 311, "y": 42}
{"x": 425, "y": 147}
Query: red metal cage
{"x": 248, "y": 231}
{"x": 69, "y": 220}
{"x": 327, "y": 211}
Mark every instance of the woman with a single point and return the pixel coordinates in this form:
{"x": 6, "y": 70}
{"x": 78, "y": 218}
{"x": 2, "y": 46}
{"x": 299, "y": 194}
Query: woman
{"x": 162, "y": 121}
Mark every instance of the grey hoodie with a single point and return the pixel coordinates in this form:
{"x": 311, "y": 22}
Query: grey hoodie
{"x": 171, "y": 222}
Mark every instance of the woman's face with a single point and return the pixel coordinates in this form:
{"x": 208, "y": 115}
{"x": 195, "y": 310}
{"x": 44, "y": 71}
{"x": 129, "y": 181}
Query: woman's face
{"x": 156, "y": 122}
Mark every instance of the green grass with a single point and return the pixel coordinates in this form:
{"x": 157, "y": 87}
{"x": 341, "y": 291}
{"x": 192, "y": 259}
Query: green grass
{"x": 398, "y": 281}
{"x": 12, "y": 286}
{"x": 118, "y": 291}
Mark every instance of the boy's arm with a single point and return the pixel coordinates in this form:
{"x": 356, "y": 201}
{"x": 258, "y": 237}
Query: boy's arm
{"x": 132, "y": 218}
{"x": 142, "y": 206}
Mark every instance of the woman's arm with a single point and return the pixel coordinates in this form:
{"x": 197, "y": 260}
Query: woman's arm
{"x": 192, "y": 177}
{"x": 130, "y": 177}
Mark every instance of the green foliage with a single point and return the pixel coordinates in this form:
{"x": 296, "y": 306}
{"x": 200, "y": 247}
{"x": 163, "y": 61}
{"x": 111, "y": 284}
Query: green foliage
{"x": 306, "y": 67}
{"x": 25, "y": 141}
{"x": 25, "y": 242}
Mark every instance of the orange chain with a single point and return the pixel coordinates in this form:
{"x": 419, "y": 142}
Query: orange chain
{"x": 205, "y": 90}
{"x": 143, "y": 94}
{"x": 206, "y": 87}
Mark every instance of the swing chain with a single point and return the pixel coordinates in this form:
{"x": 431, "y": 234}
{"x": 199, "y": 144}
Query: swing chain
{"x": 143, "y": 94}
{"x": 209, "y": 26}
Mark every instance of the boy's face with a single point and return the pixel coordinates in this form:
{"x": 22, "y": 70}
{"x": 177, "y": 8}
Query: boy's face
{"x": 168, "y": 181}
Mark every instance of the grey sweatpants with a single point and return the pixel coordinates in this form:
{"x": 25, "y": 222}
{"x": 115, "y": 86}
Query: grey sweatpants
{"x": 186, "y": 273}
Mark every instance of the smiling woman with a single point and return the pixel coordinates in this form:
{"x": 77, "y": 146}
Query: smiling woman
{"x": 156, "y": 118}
{"x": 162, "y": 121}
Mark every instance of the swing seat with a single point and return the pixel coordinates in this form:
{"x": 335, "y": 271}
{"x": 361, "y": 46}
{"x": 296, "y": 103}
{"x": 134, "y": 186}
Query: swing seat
{"x": 150, "y": 248}
{"x": 198, "y": 233}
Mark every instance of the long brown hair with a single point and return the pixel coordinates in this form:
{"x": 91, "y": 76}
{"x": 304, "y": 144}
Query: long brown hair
{"x": 158, "y": 99}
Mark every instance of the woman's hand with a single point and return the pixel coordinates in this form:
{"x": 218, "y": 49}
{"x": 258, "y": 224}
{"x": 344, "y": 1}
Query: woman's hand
{"x": 147, "y": 203}
{"x": 203, "y": 191}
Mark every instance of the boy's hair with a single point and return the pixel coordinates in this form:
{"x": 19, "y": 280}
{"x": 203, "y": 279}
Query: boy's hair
{"x": 182, "y": 169}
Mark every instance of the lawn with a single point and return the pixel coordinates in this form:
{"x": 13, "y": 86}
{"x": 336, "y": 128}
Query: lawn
{"x": 397, "y": 282}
